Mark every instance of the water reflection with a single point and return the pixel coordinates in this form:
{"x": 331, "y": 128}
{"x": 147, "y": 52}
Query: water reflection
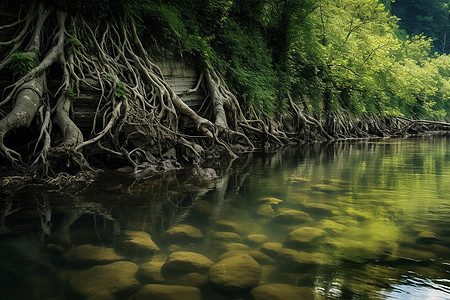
{"x": 352, "y": 220}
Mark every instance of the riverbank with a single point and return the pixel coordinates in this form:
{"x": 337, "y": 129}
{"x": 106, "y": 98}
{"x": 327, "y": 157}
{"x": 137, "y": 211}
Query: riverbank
{"x": 76, "y": 102}
{"x": 367, "y": 127}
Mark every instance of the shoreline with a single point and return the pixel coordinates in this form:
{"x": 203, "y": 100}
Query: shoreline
{"x": 205, "y": 172}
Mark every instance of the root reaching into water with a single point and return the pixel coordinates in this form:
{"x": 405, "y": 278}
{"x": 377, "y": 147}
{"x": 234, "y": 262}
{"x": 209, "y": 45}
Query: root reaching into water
{"x": 139, "y": 119}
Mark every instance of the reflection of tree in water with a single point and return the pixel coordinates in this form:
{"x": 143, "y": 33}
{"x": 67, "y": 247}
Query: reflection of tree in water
{"x": 119, "y": 201}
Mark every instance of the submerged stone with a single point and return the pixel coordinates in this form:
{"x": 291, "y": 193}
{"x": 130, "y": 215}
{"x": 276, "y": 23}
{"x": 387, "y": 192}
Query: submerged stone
{"x": 256, "y": 239}
{"x": 270, "y": 200}
{"x": 150, "y": 272}
{"x": 233, "y": 253}
{"x": 271, "y": 249}
{"x": 281, "y": 291}
{"x": 293, "y": 257}
{"x": 331, "y": 226}
{"x": 89, "y": 254}
{"x": 226, "y": 236}
{"x": 174, "y": 247}
{"x": 229, "y": 226}
{"x": 360, "y": 215}
{"x": 235, "y": 273}
{"x": 265, "y": 210}
{"x": 261, "y": 257}
{"x": 292, "y": 216}
{"x": 168, "y": 292}
{"x": 320, "y": 207}
{"x": 233, "y": 246}
{"x": 183, "y": 232}
{"x": 269, "y": 274}
{"x": 190, "y": 279}
{"x": 137, "y": 243}
{"x": 118, "y": 277}
{"x": 183, "y": 262}
{"x": 428, "y": 237}
{"x": 257, "y": 255}
{"x": 305, "y": 234}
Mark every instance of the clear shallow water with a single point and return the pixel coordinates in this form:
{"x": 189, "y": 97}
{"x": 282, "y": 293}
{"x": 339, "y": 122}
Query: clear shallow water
{"x": 379, "y": 212}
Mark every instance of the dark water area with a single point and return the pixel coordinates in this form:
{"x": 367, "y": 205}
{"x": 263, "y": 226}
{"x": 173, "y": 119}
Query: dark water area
{"x": 365, "y": 219}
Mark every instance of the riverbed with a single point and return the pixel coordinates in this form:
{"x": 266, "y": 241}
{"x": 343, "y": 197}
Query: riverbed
{"x": 365, "y": 219}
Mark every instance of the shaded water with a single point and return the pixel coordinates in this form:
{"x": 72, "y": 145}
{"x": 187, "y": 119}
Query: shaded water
{"x": 376, "y": 212}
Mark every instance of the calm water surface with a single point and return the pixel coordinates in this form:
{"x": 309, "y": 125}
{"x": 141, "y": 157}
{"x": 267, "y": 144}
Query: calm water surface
{"x": 377, "y": 215}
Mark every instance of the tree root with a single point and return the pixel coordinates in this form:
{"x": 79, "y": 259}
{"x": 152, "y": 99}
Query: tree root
{"x": 409, "y": 126}
{"x": 139, "y": 119}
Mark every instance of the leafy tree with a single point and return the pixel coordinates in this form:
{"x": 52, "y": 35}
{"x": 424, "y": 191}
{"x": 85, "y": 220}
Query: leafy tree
{"x": 429, "y": 17}
{"x": 273, "y": 71}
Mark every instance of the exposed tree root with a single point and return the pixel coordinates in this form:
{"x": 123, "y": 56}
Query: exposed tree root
{"x": 407, "y": 126}
{"x": 305, "y": 125}
{"x": 139, "y": 119}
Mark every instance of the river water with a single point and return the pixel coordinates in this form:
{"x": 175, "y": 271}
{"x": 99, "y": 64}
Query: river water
{"x": 363, "y": 219}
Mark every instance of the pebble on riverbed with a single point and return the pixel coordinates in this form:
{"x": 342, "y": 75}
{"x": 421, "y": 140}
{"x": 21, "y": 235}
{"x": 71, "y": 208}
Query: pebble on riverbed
{"x": 168, "y": 292}
{"x": 190, "y": 279}
{"x": 136, "y": 243}
{"x": 295, "y": 258}
{"x": 183, "y": 262}
{"x": 281, "y": 291}
{"x": 230, "y": 226}
{"x": 182, "y": 233}
{"x": 224, "y": 247}
{"x": 236, "y": 273}
{"x": 93, "y": 255}
{"x": 265, "y": 211}
{"x": 305, "y": 235}
{"x": 272, "y": 249}
{"x": 257, "y": 255}
{"x": 229, "y": 237}
{"x": 118, "y": 277}
{"x": 292, "y": 216}
{"x": 256, "y": 239}
{"x": 150, "y": 272}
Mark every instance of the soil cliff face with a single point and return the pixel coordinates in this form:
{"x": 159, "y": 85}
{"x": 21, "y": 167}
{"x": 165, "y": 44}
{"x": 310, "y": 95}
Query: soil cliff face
{"x": 179, "y": 74}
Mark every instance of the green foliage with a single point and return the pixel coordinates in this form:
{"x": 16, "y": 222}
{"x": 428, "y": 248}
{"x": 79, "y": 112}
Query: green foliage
{"x": 201, "y": 48}
{"x": 120, "y": 10}
{"x": 120, "y": 91}
{"x": 220, "y": 35}
{"x": 245, "y": 60}
{"x": 73, "y": 42}
{"x": 429, "y": 17}
{"x": 352, "y": 55}
{"x": 165, "y": 21}
{"x": 70, "y": 93}
{"x": 21, "y": 63}
{"x": 348, "y": 54}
